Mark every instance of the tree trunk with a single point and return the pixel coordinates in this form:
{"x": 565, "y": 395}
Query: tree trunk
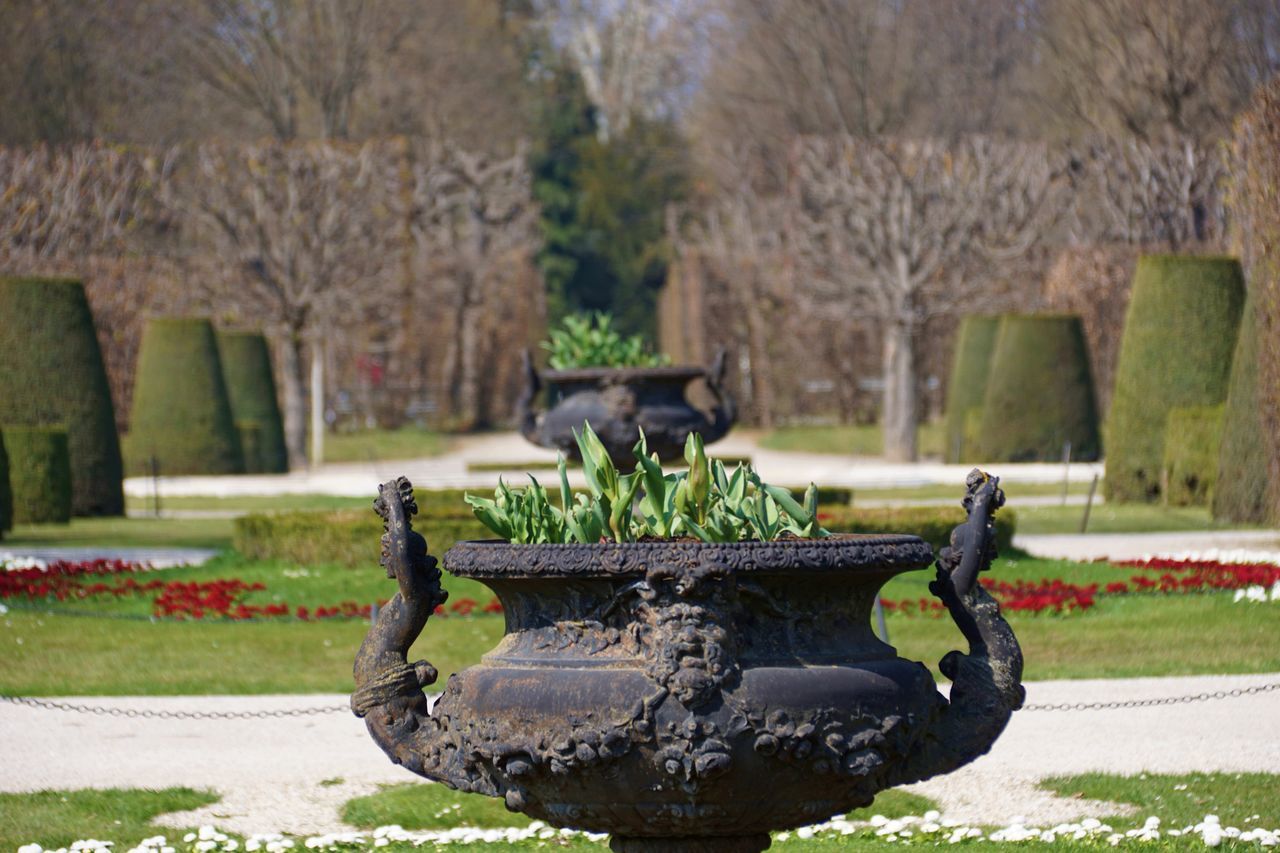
{"x": 293, "y": 372}
{"x": 899, "y": 416}
{"x": 762, "y": 380}
{"x": 317, "y": 403}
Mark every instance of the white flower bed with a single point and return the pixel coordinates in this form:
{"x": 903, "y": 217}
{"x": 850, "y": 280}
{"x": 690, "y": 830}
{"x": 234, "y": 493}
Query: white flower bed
{"x": 13, "y": 563}
{"x": 1258, "y": 594}
{"x": 930, "y": 828}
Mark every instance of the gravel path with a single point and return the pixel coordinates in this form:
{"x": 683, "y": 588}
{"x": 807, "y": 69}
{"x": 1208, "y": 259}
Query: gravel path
{"x": 1135, "y": 546}
{"x": 293, "y": 774}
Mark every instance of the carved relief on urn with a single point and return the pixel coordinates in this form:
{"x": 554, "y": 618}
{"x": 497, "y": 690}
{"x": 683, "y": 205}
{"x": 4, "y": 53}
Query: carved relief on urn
{"x": 689, "y": 695}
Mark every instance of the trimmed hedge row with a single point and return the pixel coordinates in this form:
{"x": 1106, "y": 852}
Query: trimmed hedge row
{"x": 1191, "y": 444}
{"x": 251, "y": 389}
{"x": 6, "y": 492}
{"x": 181, "y": 413}
{"x": 933, "y": 524}
{"x": 1240, "y": 493}
{"x": 352, "y": 537}
{"x": 39, "y": 474}
{"x": 347, "y": 537}
{"x": 967, "y": 387}
{"x": 1040, "y": 393}
{"x": 1179, "y": 336}
{"x": 51, "y": 372}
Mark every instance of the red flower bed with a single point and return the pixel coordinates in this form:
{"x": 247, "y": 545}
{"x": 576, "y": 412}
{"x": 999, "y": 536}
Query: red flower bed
{"x": 222, "y": 598}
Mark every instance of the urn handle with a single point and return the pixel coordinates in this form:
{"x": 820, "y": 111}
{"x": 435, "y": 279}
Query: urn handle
{"x": 526, "y": 414}
{"x": 388, "y": 687}
{"x": 987, "y": 681}
{"x": 725, "y": 413}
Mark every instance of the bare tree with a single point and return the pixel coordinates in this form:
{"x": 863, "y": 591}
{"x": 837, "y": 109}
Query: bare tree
{"x": 471, "y": 213}
{"x": 1151, "y": 194}
{"x": 301, "y": 236}
{"x": 1145, "y": 68}
{"x": 296, "y": 64}
{"x": 634, "y": 56}
{"x": 884, "y": 228}
{"x": 59, "y": 204}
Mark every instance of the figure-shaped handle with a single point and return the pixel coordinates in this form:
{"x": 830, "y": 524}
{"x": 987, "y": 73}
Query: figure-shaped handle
{"x": 987, "y": 682}
{"x": 526, "y": 416}
{"x": 725, "y": 412}
{"x": 388, "y": 688}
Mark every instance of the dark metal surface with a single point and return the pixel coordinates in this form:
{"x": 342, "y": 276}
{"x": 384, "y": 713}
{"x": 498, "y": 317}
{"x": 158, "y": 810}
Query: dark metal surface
{"x": 688, "y": 697}
{"x": 618, "y": 403}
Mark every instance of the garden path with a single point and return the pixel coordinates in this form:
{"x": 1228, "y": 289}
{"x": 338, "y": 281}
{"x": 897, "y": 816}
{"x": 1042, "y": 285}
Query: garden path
{"x": 293, "y": 774}
{"x": 450, "y": 470}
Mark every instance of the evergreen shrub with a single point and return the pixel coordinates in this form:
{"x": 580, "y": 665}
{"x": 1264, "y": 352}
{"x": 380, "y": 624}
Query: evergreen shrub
{"x": 250, "y": 433}
{"x": 1179, "y": 336}
{"x": 6, "y": 492}
{"x": 975, "y": 342}
{"x": 1039, "y": 393}
{"x": 251, "y": 387}
{"x": 39, "y": 473}
{"x": 51, "y": 372}
{"x": 1191, "y": 443}
{"x": 1240, "y": 490}
{"x": 181, "y": 414}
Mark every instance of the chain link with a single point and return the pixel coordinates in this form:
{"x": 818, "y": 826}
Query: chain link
{"x": 155, "y": 714}
{"x": 1151, "y": 703}
{"x": 149, "y": 713}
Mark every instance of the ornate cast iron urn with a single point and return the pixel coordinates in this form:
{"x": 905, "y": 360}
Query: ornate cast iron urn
{"x": 618, "y": 402}
{"x": 688, "y": 696}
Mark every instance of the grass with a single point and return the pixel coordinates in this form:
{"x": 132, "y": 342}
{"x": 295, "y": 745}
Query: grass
{"x": 864, "y": 440}
{"x": 1114, "y": 518}
{"x": 122, "y": 533}
{"x": 419, "y": 806}
{"x": 1244, "y": 800}
{"x": 55, "y": 819}
{"x": 1137, "y": 635}
{"x": 378, "y": 445}
{"x": 252, "y": 503}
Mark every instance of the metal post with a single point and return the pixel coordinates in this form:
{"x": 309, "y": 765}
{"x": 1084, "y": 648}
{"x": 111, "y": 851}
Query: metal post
{"x": 1066, "y": 471}
{"x": 880, "y": 623}
{"x": 1093, "y": 487}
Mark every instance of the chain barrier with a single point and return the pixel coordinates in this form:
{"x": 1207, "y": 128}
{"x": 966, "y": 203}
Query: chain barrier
{"x": 1151, "y": 703}
{"x": 149, "y": 713}
{"x": 160, "y": 714}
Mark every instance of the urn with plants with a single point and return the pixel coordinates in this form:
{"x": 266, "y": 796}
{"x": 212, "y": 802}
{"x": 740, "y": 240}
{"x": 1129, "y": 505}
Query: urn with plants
{"x": 620, "y": 387}
{"x": 688, "y": 660}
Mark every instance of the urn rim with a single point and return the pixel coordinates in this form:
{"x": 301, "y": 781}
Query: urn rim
{"x": 669, "y": 373}
{"x": 873, "y": 554}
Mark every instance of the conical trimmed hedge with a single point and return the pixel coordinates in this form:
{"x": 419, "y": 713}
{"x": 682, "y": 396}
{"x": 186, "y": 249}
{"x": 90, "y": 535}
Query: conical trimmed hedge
{"x": 51, "y": 372}
{"x": 1039, "y": 393}
{"x": 1179, "y": 336}
{"x": 1240, "y": 493}
{"x": 970, "y": 366}
{"x": 246, "y": 368}
{"x": 181, "y": 414}
{"x": 250, "y": 433}
{"x": 40, "y": 474}
{"x": 6, "y": 492}
{"x": 1191, "y": 443}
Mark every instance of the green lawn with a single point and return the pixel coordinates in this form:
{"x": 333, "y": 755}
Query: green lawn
{"x": 84, "y": 654}
{"x": 377, "y": 445}
{"x": 1114, "y": 518}
{"x": 253, "y": 503}
{"x": 866, "y": 440}
{"x": 122, "y": 533}
{"x": 57, "y": 818}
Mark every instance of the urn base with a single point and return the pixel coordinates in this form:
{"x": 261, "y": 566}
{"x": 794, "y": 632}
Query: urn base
{"x": 692, "y": 844}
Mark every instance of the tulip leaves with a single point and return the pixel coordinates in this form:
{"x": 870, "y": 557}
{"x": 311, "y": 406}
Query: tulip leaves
{"x": 707, "y": 502}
